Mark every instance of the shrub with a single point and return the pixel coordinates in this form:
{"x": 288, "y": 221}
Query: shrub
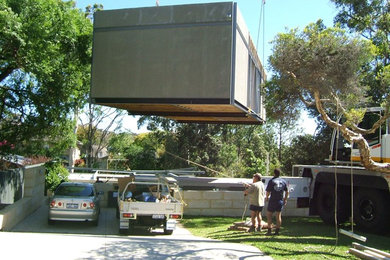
{"x": 55, "y": 174}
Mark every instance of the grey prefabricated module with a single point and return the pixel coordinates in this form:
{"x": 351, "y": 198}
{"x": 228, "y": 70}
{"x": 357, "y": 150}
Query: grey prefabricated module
{"x": 190, "y": 63}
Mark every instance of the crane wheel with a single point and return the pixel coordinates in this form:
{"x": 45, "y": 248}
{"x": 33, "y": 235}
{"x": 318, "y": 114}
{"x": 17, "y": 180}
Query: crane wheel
{"x": 371, "y": 211}
{"x": 326, "y": 204}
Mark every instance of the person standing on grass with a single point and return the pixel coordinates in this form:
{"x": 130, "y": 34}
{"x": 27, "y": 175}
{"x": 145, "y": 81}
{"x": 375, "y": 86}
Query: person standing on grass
{"x": 256, "y": 193}
{"x": 275, "y": 189}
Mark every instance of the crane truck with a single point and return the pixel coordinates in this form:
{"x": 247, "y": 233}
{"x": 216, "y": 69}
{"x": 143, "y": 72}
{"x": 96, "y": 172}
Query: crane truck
{"x": 357, "y": 192}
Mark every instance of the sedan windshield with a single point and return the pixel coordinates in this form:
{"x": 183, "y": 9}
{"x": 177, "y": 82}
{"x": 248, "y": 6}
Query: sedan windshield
{"x": 68, "y": 190}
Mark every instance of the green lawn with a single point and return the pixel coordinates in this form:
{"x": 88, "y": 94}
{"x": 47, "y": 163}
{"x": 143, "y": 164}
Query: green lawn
{"x": 300, "y": 237}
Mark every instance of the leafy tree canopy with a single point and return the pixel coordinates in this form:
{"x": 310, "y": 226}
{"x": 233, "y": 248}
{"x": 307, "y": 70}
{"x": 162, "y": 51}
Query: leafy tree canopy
{"x": 45, "y": 53}
{"x": 219, "y": 150}
{"x": 371, "y": 19}
{"x": 322, "y": 67}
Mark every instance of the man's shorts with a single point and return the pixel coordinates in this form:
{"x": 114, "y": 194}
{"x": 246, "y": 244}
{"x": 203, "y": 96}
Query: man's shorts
{"x": 275, "y": 206}
{"x": 255, "y": 208}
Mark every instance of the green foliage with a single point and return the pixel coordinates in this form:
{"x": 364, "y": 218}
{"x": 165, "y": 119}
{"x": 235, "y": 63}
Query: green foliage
{"x": 322, "y": 68}
{"x": 118, "y": 144}
{"x": 305, "y": 149}
{"x": 230, "y": 151}
{"x": 55, "y": 174}
{"x": 45, "y": 54}
{"x": 371, "y": 19}
{"x": 320, "y": 59}
{"x": 354, "y": 116}
{"x": 142, "y": 153}
{"x": 94, "y": 134}
{"x": 286, "y": 112}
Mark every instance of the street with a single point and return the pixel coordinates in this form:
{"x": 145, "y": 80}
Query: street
{"x": 35, "y": 239}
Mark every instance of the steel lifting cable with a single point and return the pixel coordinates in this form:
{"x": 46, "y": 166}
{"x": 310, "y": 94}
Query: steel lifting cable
{"x": 336, "y": 184}
{"x": 197, "y": 164}
{"x": 342, "y": 231}
{"x": 351, "y": 233}
{"x": 335, "y": 179}
{"x": 335, "y": 196}
{"x": 352, "y": 216}
{"x": 261, "y": 22}
{"x": 308, "y": 249}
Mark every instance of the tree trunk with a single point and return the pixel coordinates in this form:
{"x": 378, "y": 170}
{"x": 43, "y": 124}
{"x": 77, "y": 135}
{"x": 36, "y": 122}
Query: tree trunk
{"x": 352, "y": 137}
{"x": 73, "y": 149}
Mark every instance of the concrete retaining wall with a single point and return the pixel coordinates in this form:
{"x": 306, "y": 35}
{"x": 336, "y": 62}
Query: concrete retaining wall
{"x": 209, "y": 203}
{"x": 34, "y": 186}
{"x": 106, "y": 198}
{"x": 11, "y": 186}
{"x": 228, "y": 203}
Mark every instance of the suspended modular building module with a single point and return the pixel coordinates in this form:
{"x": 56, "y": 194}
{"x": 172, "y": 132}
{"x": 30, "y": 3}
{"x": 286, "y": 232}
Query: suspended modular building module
{"x": 189, "y": 63}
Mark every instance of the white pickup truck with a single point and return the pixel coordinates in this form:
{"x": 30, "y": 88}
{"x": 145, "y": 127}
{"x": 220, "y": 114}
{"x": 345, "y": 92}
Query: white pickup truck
{"x": 148, "y": 202}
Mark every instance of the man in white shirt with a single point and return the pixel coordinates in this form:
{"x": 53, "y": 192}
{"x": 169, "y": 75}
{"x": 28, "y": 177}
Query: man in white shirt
{"x": 256, "y": 193}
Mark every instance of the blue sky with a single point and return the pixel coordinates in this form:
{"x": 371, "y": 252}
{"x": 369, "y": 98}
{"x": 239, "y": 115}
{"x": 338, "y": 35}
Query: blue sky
{"x": 279, "y": 15}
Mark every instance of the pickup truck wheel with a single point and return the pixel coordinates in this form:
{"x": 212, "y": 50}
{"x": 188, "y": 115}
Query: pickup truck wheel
{"x": 326, "y": 207}
{"x": 168, "y": 232}
{"x": 123, "y": 231}
{"x": 371, "y": 211}
{"x": 131, "y": 227}
{"x": 129, "y": 230}
{"x": 95, "y": 223}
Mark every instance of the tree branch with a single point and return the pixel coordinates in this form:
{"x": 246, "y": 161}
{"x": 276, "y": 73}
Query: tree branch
{"x": 5, "y": 73}
{"x": 352, "y": 137}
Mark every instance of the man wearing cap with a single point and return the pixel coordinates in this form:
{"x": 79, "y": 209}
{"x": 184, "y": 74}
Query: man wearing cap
{"x": 256, "y": 194}
{"x": 277, "y": 194}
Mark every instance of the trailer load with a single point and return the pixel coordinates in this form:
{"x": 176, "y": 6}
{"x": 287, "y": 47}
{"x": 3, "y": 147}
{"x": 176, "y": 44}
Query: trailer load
{"x": 189, "y": 63}
{"x": 148, "y": 202}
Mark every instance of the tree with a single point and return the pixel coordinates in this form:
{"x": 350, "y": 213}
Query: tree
{"x": 283, "y": 114}
{"x": 371, "y": 19}
{"x": 117, "y": 146}
{"x": 221, "y": 150}
{"x": 322, "y": 67}
{"x": 143, "y": 153}
{"x": 45, "y": 56}
{"x": 305, "y": 149}
{"x": 118, "y": 143}
{"x": 96, "y": 132}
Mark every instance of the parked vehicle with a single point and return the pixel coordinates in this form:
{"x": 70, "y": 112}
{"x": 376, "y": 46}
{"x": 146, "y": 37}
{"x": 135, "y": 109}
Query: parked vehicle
{"x": 148, "y": 202}
{"x": 75, "y": 202}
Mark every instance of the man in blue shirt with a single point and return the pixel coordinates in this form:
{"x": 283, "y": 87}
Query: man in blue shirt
{"x": 277, "y": 194}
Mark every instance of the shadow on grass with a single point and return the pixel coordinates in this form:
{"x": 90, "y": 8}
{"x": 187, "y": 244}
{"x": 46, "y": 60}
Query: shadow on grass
{"x": 302, "y": 254}
{"x": 300, "y": 238}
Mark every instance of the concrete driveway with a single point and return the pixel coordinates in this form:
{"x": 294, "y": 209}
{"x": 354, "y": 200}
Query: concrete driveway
{"x": 35, "y": 239}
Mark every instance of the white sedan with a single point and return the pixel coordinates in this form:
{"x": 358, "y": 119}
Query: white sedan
{"x": 75, "y": 202}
